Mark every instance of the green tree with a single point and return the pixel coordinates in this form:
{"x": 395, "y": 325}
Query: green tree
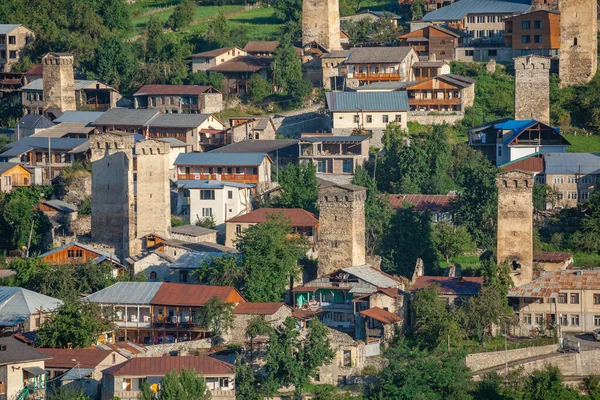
{"x": 75, "y": 323}
{"x": 222, "y": 270}
{"x": 417, "y": 9}
{"x": 286, "y": 69}
{"x": 247, "y": 386}
{"x": 182, "y": 15}
{"x": 451, "y": 240}
{"x": 259, "y": 88}
{"x": 201, "y": 78}
{"x": 155, "y": 41}
{"x": 216, "y": 316}
{"x": 288, "y": 10}
{"x": 547, "y": 384}
{"x": 66, "y": 393}
{"x": 270, "y": 254}
{"x": 113, "y": 63}
{"x": 541, "y": 195}
{"x": 185, "y": 385}
{"x": 17, "y": 213}
{"x": 488, "y": 307}
{"x": 386, "y": 31}
{"x": 587, "y": 237}
{"x": 257, "y": 326}
{"x": 299, "y": 187}
{"x": 85, "y": 208}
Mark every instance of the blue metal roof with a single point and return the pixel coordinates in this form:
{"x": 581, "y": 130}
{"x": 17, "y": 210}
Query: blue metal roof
{"x": 221, "y": 159}
{"x": 193, "y": 184}
{"x": 367, "y": 101}
{"x": 79, "y": 116}
{"x": 517, "y": 126}
{"x": 462, "y": 8}
{"x": 572, "y": 163}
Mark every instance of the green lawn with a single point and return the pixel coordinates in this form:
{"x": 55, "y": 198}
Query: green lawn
{"x": 469, "y": 265}
{"x": 583, "y": 144}
{"x": 142, "y": 6}
{"x": 260, "y": 23}
{"x": 586, "y": 260}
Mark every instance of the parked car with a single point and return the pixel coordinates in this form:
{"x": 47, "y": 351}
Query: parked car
{"x": 596, "y": 333}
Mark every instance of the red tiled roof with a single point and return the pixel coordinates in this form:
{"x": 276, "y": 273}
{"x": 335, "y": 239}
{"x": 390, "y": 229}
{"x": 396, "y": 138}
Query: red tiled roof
{"x": 159, "y": 366}
{"x": 173, "y": 90}
{"x": 36, "y": 70}
{"x": 551, "y": 257}
{"x": 450, "y": 285}
{"x": 534, "y": 163}
{"x": 85, "y": 358}
{"x": 550, "y": 283}
{"x": 297, "y": 216}
{"x": 261, "y": 46}
{"x": 185, "y": 295}
{"x": 423, "y": 202}
{"x": 258, "y": 308}
{"x": 381, "y": 315}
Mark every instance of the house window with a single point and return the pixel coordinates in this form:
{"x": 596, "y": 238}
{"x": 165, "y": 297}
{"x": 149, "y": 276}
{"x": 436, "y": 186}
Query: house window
{"x": 525, "y": 39}
{"x": 564, "y": 320}
{"x": 500, "y": 151}
{"x": 183, "y": 276}
{"x": 562, "y": 298}
{"x": 347, "y": 166}
{"x": 469, "y": 53}
{"x": 596, "y": 298}
{"x": 575, "y": 319}
{"x": 560, "y": 195}
{"x": 127, "y": 384}
{"x": 525, "y": 24}
{"x": 238, "y": 229}
{"x": 8, "y": 180}
{"x": 398, "y": 118}
{"x": 153, "y": 275}
{"x": 587, "y": 180}
{"x": 491, "y": 18}
{"x": 13, "y": 54}
{"x": 574, "y": 298}
{"x": 596, "y": 320}
{"x": 481, "y": 19}
{"x": 471, "y": 19}
{"x": 230, "y": 194}
{"x": 558, "y": 180}
{"x": 207, "y": 212}
{"x": 207, "y": 195}
{"x": 571, "y": 195}
{"x": 385, "y": 119}
{"x": 541, "y": 179}
{"x": 76, "y": 253}
{"x": 12, "y": 40}
{"x": 571, "y": 179}
{"x": 322, "y": 166}
{"x": 539, "y": 319}
{"x": 527, "y": 319}
{"x": 537, "y": 39}
{"x": 356, "y": 119}
{"x": 537, "y": 24}
{"x": 492, "y": 53}
{"x": 224, "y": 382}
{"x": 369, "y": 119}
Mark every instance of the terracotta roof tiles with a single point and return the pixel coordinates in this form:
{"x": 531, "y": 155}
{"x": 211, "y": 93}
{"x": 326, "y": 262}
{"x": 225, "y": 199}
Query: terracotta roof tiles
{"x": 258, "y": 308}
{"x": 184, "y": 295}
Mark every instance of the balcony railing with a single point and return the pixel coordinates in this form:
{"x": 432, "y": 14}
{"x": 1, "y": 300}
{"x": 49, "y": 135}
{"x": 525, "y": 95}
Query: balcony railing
{"x": 377, "y": 76}
{"x": 242, "y": 178}
{"x": 434, "y": 102}
{"x": 134, "y": 394}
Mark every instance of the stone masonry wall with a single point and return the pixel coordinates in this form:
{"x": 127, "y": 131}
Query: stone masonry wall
{"x": 212, "y": 103}
{"x": 532, "y": 88}
{"x": 481, "y": 361}
{"x": 424, "y": 118}
{"x": 515, "y": 224}
{"x": 321, "y": 23}
{"x": 578, "y": 41}
{"x": 59, "y": 82}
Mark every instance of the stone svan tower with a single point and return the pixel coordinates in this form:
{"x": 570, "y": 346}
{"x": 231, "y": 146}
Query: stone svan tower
{"x": 532, "y": 88}
{"x": 341, "y": 227}
{"x": 124, "y": 209}
{"x": 59, "y": 82}
{"x": 578, "y": 57}
{"x": 321, "y": 23}
{"x": 515, "y": 224}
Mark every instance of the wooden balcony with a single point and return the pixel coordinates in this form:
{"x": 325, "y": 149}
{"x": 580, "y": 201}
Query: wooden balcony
{"x": 377, "y": 76}
{"x": 241, "y": 178}
{"x": 434, "y": 102}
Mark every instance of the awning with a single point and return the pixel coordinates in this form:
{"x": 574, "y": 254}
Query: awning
{"x": 35, "y": 370}
{"x": 76, "y": 373}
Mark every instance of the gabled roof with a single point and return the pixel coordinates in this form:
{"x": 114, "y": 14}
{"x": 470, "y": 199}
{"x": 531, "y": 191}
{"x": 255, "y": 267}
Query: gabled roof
{"x": 193, "y": 259}
{"x": 453, "y": 79}
{"x": 381, "y": 315}
{"x": 160, "y": 366}
{"x": 450, "y": 285}
{"x": 297, "y": 216}
{"x": 29, "y": 143}
{"x": 8, "y": 28}
{"x": 261, "y": 46}
{"x": 125, "y": 116}
{"x": 462, "y": 8}
{"x": 368, "y": 55}
{"x": 79, "y": 116}
{"x": 572, "y": 163}
{"x": 7, "y": 166}
{"x": 549, "y": 284}
{"x": 519, "y": 126}
{"x": 531, "y": 163}
{"x": 184, "y": 295}
{"x": 256, "y": 146}
{"x": 258, "y": 308}
{"x": 38, "y": 84}
{"x": 367, "y": 101}
{"x": 244, "y": 64}
{"x": 174, "y": 90}
{"x": 214, "y": 53}
{"x": 221, "y": 159}
{"x": 18, "y": 304}
{"x": 86, "y": 358}
{"x": 177, "y": 120}
{"x": 100, "y": 253}
{"x": 60, "y": 205}
{"x": 383, "y": 86}
{"x": 18, "y": 352}
{"x": 34, "y": 121}
{"x": 172, "y": 142}
{"x": 126, "y": 293}
{"x": 192, "y": 230}
{"x": 373, "y": 276}
{"x": 551, "y": 256}
{"x": 423, "y": 202}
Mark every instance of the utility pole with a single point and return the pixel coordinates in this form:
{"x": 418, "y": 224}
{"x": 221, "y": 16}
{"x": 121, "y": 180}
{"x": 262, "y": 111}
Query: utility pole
{"x": 49, "y": 160}
{"x": 29, "y": 240}
{"x": 505, "y": 359}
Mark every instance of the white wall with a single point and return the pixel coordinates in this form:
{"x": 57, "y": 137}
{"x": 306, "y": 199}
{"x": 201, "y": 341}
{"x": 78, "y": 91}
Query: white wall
{"x": 345, "y": 120}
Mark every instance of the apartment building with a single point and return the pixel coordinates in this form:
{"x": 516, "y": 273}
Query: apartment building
{"x": 535, "y": 32}
{"x": 13, "y": 38}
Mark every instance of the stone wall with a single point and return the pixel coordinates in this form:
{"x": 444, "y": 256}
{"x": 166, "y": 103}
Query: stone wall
{"x": 532, "y": 88}
{"x": 59, "y": 82}
{"x": 515, "y": 224}
{"x": 426, "y": 118}
{"x": 321, "y": 23}
{"x": 578, "y": 41}
{"x": 481, "y": 361}
{"x": 238, "y": 333}
{"x": 212, "y": 103}
{"x": 182, "y": 348}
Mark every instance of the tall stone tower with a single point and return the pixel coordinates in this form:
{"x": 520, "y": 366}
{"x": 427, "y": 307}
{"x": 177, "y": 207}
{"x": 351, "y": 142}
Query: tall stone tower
{"x": 321, "y": 23}
{"x": 544, "y": 4}
{"x": 113, "y": 203}
{"x": 124, "y": 211}
{"x": 532, "y": 88}
{"x": 515, "y": 224}
{"x": 59, "y": 82}
{"x": 578, "y": 58}
{"x": 341, "y": 227}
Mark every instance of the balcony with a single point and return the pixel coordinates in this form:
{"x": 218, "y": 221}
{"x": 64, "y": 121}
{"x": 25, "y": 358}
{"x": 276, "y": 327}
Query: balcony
{"x": 395, "y": 76}
{"x": 435, "y": 102}
{"x": 241, "y": 178}
{"x": 184, "y": 326}
{"x": 133, "y": 324}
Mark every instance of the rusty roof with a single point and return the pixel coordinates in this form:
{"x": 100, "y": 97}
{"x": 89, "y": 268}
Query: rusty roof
{"x": 381, "y": 315}
{"x": 532, "y": 163}
{"x": 258, "y": 308}
{"x": 36, "y": 70}
{"x": 160, "y": 366}
{"x": 450, "y": 285}
{"x": 85, "y": 358}
{"x": 261, "y": 46}
{"x": 174, "y": 90}
{"x": 185, "y": 295}
{"x": 551, "y": 257}
{"x": 297, "y": 216}
{"x": 244, "y": 64}
{"x": 550, "y": 283}
{"x": 423, "y": 202}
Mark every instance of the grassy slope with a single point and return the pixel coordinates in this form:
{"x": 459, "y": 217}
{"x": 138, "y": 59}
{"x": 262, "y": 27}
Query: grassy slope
{"x": 583, "y": 144}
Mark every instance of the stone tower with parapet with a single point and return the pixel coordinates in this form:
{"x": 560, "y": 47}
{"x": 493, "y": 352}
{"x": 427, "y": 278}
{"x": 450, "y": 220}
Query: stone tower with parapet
{"x": 113, "y": 202}
{"x": 578, "y": 57}
{"x": 341, "y": 227}
{"x": 321, "y": 23}
{"x": 532, "y": 88}
{"x": 59, "y": 82}
{"x": 153, "y": 201}
{"x": 544, "y": 5}
{"x": 515, "y": 224}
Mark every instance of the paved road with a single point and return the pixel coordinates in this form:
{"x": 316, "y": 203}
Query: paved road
{"x": 586, "y": 340}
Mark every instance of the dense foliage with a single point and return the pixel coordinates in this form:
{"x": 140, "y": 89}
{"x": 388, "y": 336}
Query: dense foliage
{"x": 20, "y": 219}
{"x": 184, "y": 385}
{"x": 299, "y": 187}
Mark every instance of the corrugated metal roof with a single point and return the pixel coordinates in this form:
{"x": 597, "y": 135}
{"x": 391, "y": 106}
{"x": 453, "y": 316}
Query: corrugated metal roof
{"x": 549, "y": 284}
{"x": 381, "y": 315}
{"x": 188, "y": 184}
{"x": 192, "y": 259}
{"x": 61, "y": 205}
{"x": 173, "y": 90}
{"x": 79, "y": 116}
{"x": 373, "y": 276}
{"x": 334, "y": 139}
{"x": 367, "y": 101}
{"x": 184, "y": 295}
{"x": 173, "y": 142}
{"x": 100, "y": 253}
{"x": 18, "y": 304}
{"x": 221, "y": 159}
{"x": 5, "y": 166}
{"x": 572, "y": 163}
{"x": 125, "y": 116}
{"x": 551, "y": 256}
{"x": 126, "y": 293}
{"x": 86, "y": 358}
{"x": 160, "y": 366}
{"x": 297, "y": 216}
{"x": 177, "y": 120}
{"x": 530, "y": 163}
{"x": 214, "y": 53}
{"x": 423, "y": 202}
{"x": 192, "y": 230}
{"x": 38, "y": 84}
{"x": 65, "y": 128}
{"x": 368, "y": 55}
{"x": 244, "y": 64}
{"x": 7, "y": 28}
{"x": 33, "y": 121}
{"x": 261, "y": 46}
{"x": 75, "y": 374}
{"x": 390, "y": 86}
{"x": 256, "y": 146}
{"x": 462, "y": 8}
{"x": 258, "y": 308}
{"x": 42, "y": 143}
{"x": 18, "y": 352}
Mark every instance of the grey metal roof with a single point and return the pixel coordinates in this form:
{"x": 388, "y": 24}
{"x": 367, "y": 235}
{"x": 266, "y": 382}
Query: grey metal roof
{"x": 334, "y": 139}
{"x": 38, "y": 84}
{"x": 462, "y": 8}
{"x": 367, "y": 101}
{"x": 61, "y": 206}
{"x": 17, "y": 304}
{"x": 337, "y": 54}
{"x": 18, "y": 352}
{"x": 64, "y": 129}
{"x": 372, "y": 276}
{"x": 172, "y": 142}
{"x": 101, "y": 253}
{"x": 79, "y": 116}
{"x": 36, "y": 142}
{"x": 192, "y": 259}
{"x": 126, "y": 293}
{"x": 5, "y": 166}
{"x": 189, "y": 184}
{"x": 177, "y": 120}
{"x": 200, "y": 247}
{"x": 368, "y": 55}
{"x": 75, "y": 374}
{"x": 33, "y": 121}
{"x": 7, "y": 28}
{"x": 256, "y": 146}
{"x": 572, "y": 163}
{"x": 192, "y": 230}
{"x": 221, "y": 159}
{"x": 391, "y": 86}
{"x": 125, "y": 116}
